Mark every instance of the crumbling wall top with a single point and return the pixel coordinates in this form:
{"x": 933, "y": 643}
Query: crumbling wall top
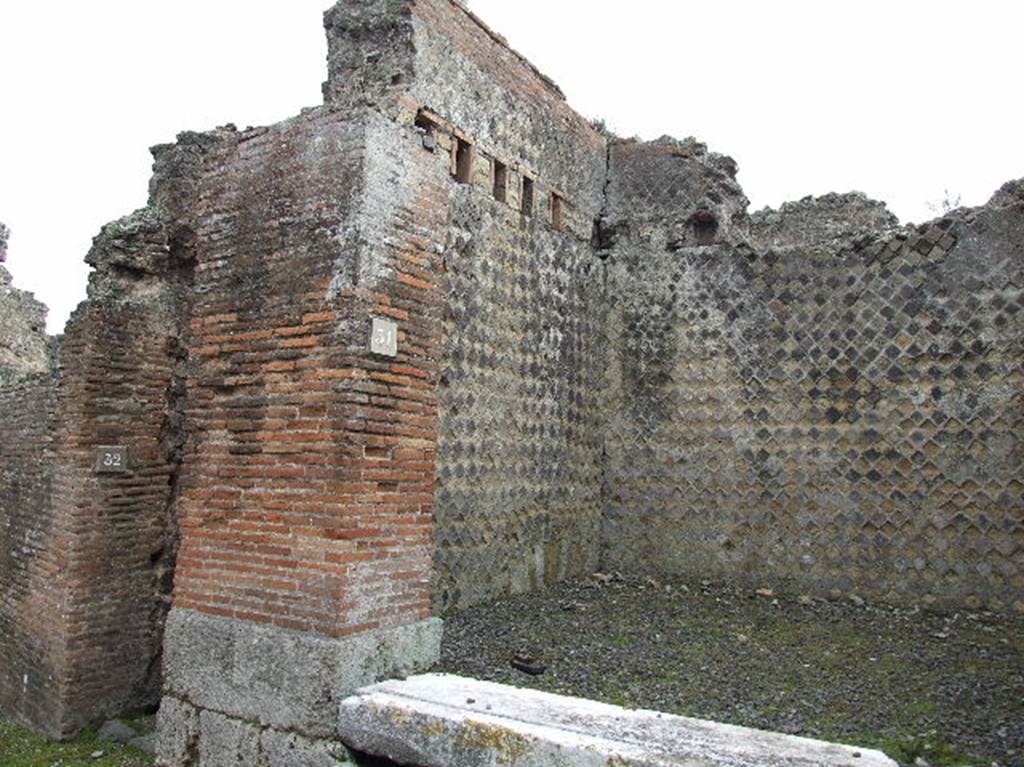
{"x": 24, "y": 345}
{"x": 814, "y": 220}
{"x": 1010, "y": 193}
{"x": 673, "y": 190}
{"x": 433, "y": 59}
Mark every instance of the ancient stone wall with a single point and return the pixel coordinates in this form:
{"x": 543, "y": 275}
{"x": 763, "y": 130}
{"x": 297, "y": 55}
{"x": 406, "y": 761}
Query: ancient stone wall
{"x": 31, "y": 641}
{"x": 518, "y": 500}
{"x": 518, "y": 473}
{"x": 840, "y": 411}
{"x": 24, "y": 347}
{"x": 31, "y": 646}
{"x": 87, "y": 582}
{"x": 815, "y": 220}
{"x": 307, "y": 484}
{"x": 117, "y": 534}
{"x": 441, "y": 340}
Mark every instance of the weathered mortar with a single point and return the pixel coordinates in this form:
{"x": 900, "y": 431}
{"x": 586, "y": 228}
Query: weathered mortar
{"x": 23, "y": 340}
{"x": 631, "y": 372}
{"x": 517, "y": 502}
{"x": 814, "y": 220}
{"x": 83, "y": 612}
{"x": 840, "y": 411}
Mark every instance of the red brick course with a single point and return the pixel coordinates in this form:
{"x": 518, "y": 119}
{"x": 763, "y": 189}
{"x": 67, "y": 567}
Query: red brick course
{"x": 308, "y": 481}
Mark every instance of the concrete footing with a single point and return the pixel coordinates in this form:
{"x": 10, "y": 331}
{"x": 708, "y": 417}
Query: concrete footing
{"x": 439, "y": 720}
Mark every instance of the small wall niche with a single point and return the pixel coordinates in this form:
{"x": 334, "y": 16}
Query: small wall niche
{"x": 463, "y": 161}
{"x": 557, "y": 213}
{"x": 526, "y": 205}
{"x": 429, "y": 128}
{"x": 500, "y": 181}
{"x": 705, "y": 227}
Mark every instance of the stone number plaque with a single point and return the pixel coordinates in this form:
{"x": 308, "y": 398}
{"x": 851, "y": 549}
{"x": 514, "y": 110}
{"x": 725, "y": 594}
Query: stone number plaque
{"x": 384, "y": 338}
{"x": 111, "y": 459}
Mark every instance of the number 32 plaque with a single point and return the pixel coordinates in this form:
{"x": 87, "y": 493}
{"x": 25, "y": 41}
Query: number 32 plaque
{"x": 111, "y": 459}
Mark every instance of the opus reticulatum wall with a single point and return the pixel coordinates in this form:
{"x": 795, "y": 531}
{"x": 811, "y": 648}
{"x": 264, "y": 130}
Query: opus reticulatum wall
{"x": 441, "y": 340}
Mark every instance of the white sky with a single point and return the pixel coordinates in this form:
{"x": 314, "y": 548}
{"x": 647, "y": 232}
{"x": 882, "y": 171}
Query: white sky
{"x": 901, "y": 99}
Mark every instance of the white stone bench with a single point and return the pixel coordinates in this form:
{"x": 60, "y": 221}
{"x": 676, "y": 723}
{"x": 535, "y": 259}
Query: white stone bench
{"x": 439, "y": 720}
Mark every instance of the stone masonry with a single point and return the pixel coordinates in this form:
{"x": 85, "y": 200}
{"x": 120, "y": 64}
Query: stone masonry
{"x": 24, "y": 347}
{"x": 832, "y": 406}
{"x": 441, "y": 339}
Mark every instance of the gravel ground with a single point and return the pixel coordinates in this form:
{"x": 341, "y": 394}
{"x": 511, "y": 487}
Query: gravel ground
{"x": 926, "y": 688}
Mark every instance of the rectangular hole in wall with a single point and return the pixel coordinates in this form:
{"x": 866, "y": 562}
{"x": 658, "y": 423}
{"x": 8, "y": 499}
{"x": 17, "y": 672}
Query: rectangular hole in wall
{"x": 527, "y": 207}
{"x": 428, "y": 127}
{"x": 424, "y": 123}
{"x": 500, "y": 181}
{"x": 556, "y": 212}
{"x": 463, "y": 161}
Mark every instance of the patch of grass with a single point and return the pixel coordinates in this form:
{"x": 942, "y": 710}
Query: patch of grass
{"x": 616, "y": 695}
{"x": 21, "y": 748}
{"x": 665, "y": 677}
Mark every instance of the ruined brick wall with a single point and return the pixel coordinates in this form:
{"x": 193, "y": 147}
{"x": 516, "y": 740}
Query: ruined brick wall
{"x": 116, "y": 532}
{"x": 23, "y": 341}
{"x": 307, "y": 484}
{"x": 121, "y": 368}
{"x": 518, "y": 475}
{"x": 840, "y": 411}
{"x": 600, "y": 359}
{"x": 306, "y": 488}
{"x": 31, "y": 640}
{"x": 31, "y": 645}
{"x": 87, "y": 564}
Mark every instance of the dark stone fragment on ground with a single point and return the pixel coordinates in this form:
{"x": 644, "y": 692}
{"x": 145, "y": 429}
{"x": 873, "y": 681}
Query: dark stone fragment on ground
{"x": 117, "y": 731}
{"x": 944, "y": 688}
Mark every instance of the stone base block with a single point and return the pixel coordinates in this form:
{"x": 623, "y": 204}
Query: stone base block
{"x": 242, "y": 693}
{"x": 193, "y": 738}
{"x": 439, "y": 720}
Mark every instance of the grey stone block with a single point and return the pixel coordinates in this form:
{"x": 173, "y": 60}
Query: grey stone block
{"x": 117, "y": 731}
{"x": 291, "y": 750}
{"x": 177, "y": 728}
{"x": 439, "y": 720}
{"x": 288, "y": 680}
{"x": 226, "y": 742}
{"x": 145, "y": 743}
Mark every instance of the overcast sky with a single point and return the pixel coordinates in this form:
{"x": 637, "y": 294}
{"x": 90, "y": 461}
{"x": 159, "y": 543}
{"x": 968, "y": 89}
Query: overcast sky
{"x": 901, "y": 99}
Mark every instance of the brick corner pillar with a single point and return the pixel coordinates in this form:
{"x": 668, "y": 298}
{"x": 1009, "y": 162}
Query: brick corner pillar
{"x": 308, "y": 482}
